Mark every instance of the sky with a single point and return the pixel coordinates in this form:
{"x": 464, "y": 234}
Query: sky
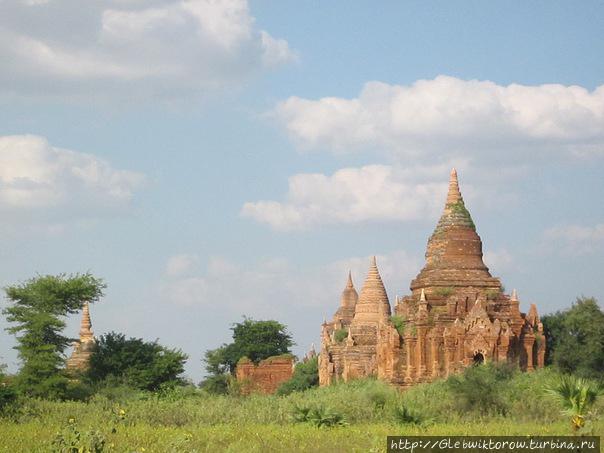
{"x": 214, "y": 159}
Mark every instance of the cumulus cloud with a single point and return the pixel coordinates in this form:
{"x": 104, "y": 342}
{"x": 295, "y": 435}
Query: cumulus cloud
{"x": 575, "y": 239}
{"x": 39, "y": 179}
{"x": 354, "y": 195}
{"x": 450, "y": 116}
{"x": 276, "y": 287}
{"x": 498, "y": 260}
{"x": 179, "y": 265}
{"x": 163, "y": 48}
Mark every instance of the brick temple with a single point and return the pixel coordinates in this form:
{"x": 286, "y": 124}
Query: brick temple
{"x": 456, "y": 315}
{"x": 79, "y": 361}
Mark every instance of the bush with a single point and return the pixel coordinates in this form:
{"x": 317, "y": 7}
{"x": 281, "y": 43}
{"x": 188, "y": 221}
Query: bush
{"x": 399, "y": 324}
{"x": 340, "y": 335}
{"x": 405, "y": 416}
{"x": 319, "y": 416}
{"x": 306, "y": 375}
{"x": 8, "y": 396}
{"x": 480, "y": 388}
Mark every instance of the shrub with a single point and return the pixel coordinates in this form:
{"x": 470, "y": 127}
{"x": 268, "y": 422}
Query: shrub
{"x": 319, "y": 416}
{"x": 576, "y": 396}
{"x": 306, "y": 375}
{"x": 399, "y": 324}
{"x": 72, "y": 440}
{"x": 405, "y": 416}
{"x": 216, "y": 385}
{"x": 340, "y": 335}
{"x": 480, "y": 388}
{"x": 444, "y": 291}
{"x": 8, "y": 396}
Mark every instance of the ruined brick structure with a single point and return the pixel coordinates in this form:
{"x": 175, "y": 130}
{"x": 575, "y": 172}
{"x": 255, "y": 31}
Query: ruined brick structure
{"x": 266, "y": 376}
{"x": 79, "y": 361}
{"x": 457, "y": 314}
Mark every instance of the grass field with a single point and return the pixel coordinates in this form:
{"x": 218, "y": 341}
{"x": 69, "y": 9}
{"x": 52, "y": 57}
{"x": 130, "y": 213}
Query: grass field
{"x": 189, "y": 420}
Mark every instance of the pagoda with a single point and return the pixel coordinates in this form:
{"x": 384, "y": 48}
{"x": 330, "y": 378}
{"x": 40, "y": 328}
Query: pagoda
{"x": 457, "y": 315}
{"x": 79, "y": 361}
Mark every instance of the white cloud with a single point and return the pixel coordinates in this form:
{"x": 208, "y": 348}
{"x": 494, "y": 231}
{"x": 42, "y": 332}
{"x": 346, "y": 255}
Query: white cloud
{"x": 452, "y": 117}
{"x": 164, "y": 48}
{"x": 353, "y": 195}
{"x": 38, "y": 178}
{"x": 179, "y": 265}
{"x": 498, "y": 260}
{"x": 574, "y": 239}
{"x": 275, "y": 287}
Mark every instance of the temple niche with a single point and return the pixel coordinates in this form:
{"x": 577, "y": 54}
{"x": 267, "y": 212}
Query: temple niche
{"x": 79, "y": 361}
{"x": 456, "y": 315}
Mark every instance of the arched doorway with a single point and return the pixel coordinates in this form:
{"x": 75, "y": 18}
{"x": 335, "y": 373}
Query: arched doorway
{"x": 478, "y": 358}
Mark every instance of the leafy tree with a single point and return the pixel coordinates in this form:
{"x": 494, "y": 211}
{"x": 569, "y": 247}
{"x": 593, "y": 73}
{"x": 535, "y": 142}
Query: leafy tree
{"x": 136, "y": 363}
{"x": 575, "y": 339}
{"x": 306, "y": 375}
{"x": 576, "y": 396}
{"x": 38, "y": 309}
{"x": 256, "y": 340}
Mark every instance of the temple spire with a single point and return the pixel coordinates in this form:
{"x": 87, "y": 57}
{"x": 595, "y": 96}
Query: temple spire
{"x": 514, "y": 297}
{"x": 349, "y": 283}
{"x": 454, "y": 195}
{"x": 86, "y": 333}
{"x": 373, "y": 305}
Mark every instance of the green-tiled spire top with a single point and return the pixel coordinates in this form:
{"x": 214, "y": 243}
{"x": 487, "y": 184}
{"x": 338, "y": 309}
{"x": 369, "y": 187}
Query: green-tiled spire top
{"x": 454, "y": 252}
{"x": 455, "y": 212}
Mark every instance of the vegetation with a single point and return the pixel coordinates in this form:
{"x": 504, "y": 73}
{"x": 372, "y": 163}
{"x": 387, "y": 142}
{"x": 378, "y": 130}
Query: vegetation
{"x": 255, "y": 340}
{"x": 399, "y": 324}
{"x": 7, "y": 392}
{"x": 445, "y": 291}
{"x": 135, "y": 363}
{"x": 37, "y": 309}
{"x": 460, "y": 208}
{"x": 480, "y": 388}
{"x": 306, "y": 375}
{"x": 189, "y": 419}
{"x": 575, "y": 339}
{"x": 492, "y": 294}
{"x": 341, "y": 334}
{"x": 577, "y": 396}
{"x": 318, "y": 416}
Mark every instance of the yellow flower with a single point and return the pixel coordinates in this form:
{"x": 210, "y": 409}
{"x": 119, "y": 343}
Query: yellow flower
{"x": 72, "y": 420}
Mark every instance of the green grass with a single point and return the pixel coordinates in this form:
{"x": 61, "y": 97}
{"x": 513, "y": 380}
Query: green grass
{"x": 193, "y": 421}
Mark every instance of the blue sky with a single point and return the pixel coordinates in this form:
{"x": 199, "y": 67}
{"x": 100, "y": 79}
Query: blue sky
{"x": 214, "y": 159}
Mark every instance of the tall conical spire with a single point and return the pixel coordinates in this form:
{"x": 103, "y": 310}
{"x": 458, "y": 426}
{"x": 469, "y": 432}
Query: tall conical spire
{"x": 514, "y": 297}
{"x": 348, "y": 301}
{"x": 454, "y": 252}
{"x": 454, "y": 195}
{"x": 373, "y": 306}
{"x": 86, "y": 333}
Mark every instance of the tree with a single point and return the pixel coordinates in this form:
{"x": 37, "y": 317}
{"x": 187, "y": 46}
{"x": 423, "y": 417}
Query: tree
{"x": 306, "y": 375}
{"x": 256, "y": 340}
{"x": 38, "y": 309}
{"x": 135, "y": 363}
{"x": 575, "y": 339}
